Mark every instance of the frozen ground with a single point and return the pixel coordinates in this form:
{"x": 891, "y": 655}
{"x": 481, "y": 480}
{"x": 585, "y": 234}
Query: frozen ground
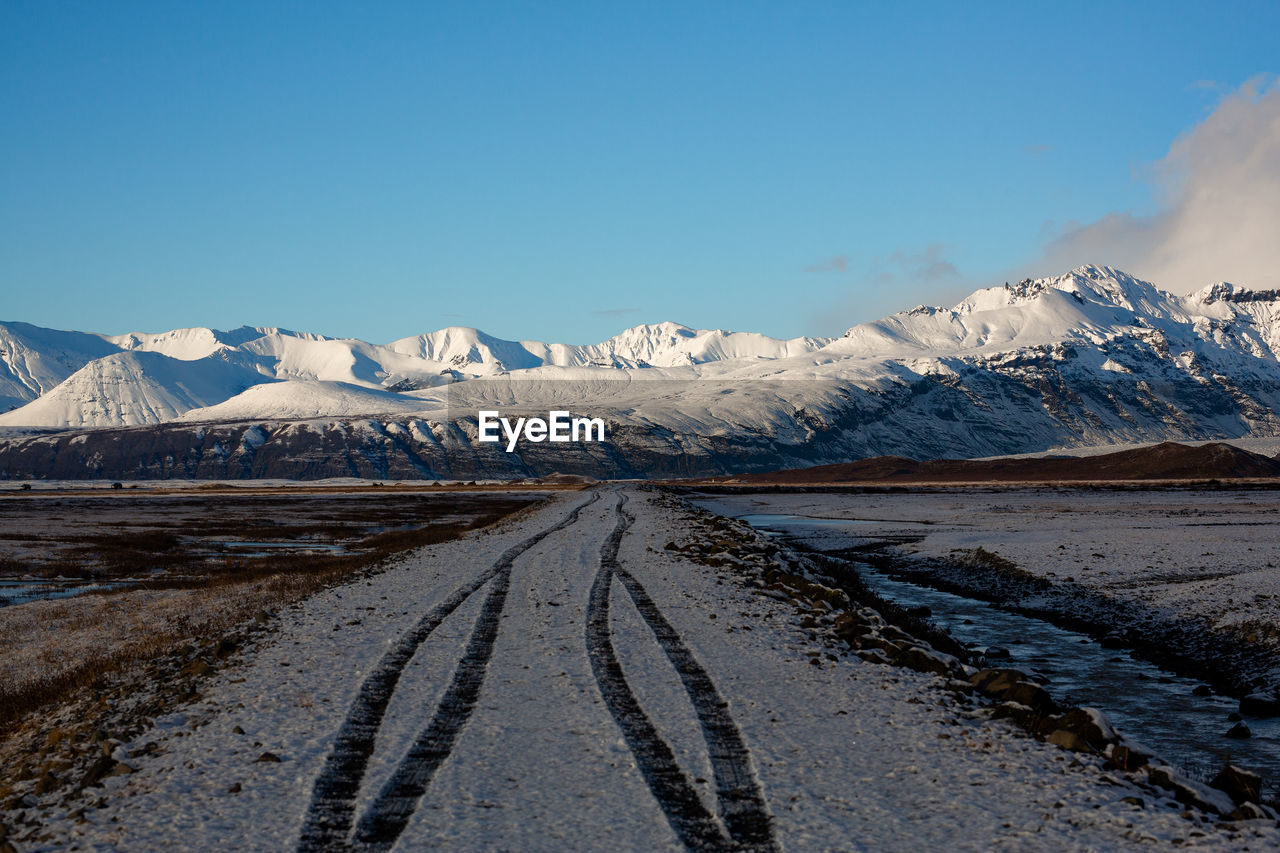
{"x": 1211, "y": 554}
{"x": 527, "y": 740}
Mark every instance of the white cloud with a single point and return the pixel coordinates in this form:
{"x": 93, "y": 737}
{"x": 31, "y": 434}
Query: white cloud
{"x": 1219, "y": 217}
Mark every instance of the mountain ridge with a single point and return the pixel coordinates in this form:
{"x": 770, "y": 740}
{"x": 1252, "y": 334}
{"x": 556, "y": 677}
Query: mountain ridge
{"x": 407, "y": 364}
{"x": 1090, "y": 358}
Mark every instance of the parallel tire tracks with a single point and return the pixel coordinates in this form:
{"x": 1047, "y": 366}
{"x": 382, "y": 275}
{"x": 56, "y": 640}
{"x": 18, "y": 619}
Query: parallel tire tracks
{"x": 328, "y": 820}
{"x": 741, "y": 801}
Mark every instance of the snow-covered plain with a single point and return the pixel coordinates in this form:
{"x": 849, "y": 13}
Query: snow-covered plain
{"x": 1213, "y": 555}
{"x": 848, "y": 754}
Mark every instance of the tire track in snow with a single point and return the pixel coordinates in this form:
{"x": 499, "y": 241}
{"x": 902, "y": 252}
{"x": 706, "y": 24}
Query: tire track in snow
{"x": 685, "y": 812}
{"x": 741, "y": 801}
{"x": 332, "y": 810}
{"x": 396, "y": 802}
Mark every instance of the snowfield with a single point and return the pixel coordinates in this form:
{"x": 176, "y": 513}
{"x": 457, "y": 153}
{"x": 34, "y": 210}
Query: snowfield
{"x": 1212, "y": 555}
{"x": 302, "y": 399}
{"x": 560, "y": 675}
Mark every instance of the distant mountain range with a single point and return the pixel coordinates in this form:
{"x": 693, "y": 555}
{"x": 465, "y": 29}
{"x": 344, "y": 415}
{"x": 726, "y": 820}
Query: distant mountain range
{"x": 1092, "y": 357}
{"x": 73, "y": 379}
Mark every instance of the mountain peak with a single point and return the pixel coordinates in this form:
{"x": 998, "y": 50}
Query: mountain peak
{"x": 666, "y": 327}
{"x": 1031, "y": 312}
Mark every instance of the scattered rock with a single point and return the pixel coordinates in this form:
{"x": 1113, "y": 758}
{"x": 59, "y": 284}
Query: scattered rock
{"x": 926, "y": 661}
{"x": 1127, "y": 757}
{"x": 1187, "y": 792}
{"x": 46, "y": 783}
{"x": 148, "y": 748}
{"x": 1113, "y": 641}
{"x": 997, "y": 653}
{"x": 1250, "y": 811}
{"x": 993, "y": 682}
{"x": 1240, "y": 731}
{"x": 1234, "y": 717}
{"x": 268, "y": 757}
{"x": 1260, "y": 705}
{"x": 893, "y": 632}
{"x": 1032, "y": 695}
{"x": 921, "y": 612}
{"x": 1091, "y": 725}
{"x": 235, "y": 789}
{"x": 874, "y": 656}
{"x": 1241, "y": 786}
{"x": 1069, "y": 740}
{"x": 1019, "y": 713}
{"x": 196, "y": 667}
{"x": 1016, "y": 686}
{"x": 1202, "y": 690}
{"x": 237, "y": 731}
{"x": 98, "y": 770}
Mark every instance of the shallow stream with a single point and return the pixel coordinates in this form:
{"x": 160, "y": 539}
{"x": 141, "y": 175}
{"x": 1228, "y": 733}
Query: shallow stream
{"x": 1147, "y": 703}
{"x": 24, "y": 590}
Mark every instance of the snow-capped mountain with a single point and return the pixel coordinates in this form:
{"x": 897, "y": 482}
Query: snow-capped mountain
{"x": 1088, "y": 358}
{"x": 72, "y": 379}
{"x": 1090, "y": 304}
{"x": 34, "y": 360}
{"x": 129, "y": 388}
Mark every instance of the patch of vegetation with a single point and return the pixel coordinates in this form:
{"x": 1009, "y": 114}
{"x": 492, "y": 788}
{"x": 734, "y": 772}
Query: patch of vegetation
{"x": 228, "y": 591}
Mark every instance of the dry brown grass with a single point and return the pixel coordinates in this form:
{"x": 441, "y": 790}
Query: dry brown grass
{"x": 80, "y": 675}
{"x": 189, "y": 536}
{"x": 252, "y": 488}
{"x": 51, "y": 649}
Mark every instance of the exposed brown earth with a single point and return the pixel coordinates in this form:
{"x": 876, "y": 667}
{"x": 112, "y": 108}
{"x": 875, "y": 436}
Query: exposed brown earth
{"x": 1166, "y": 461}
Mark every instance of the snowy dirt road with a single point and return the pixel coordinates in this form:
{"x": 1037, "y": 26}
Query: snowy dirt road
{"x": 563, "y": 681}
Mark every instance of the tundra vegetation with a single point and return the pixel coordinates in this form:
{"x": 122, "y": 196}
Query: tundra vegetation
{"x": 178, "y": 583}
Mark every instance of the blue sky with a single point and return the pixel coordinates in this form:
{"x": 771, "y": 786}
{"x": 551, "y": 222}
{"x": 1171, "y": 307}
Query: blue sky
{"x": 563, "y": 170}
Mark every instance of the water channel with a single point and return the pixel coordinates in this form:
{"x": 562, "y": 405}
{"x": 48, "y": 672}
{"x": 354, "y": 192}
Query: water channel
{"x": 1148, "y": 704}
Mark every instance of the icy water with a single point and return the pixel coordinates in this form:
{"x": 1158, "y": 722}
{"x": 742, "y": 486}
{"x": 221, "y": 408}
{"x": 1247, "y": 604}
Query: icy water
{"x": 1149, "y": 704}
{"x": 22, "y": 591}
{"x": 253, "y": 548}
